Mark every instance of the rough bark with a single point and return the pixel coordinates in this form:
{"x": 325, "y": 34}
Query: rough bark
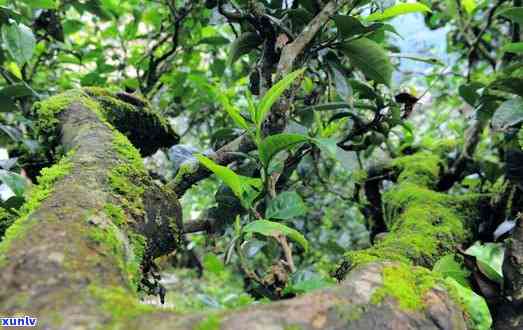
{"x": 83, "y": 233}
{"x": 347, "y": 306}
{"x": 73, "y": 257}
{"x": 510, "y": 315}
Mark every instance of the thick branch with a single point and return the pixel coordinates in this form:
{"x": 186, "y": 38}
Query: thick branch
{"x": 88, "y": 226}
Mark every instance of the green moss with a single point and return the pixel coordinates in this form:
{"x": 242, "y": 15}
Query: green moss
{"x": 423, "y": 224}
{"x": 119, "y": 304}
{"x": 124, "y": 148}
{"x": 107, "y": 238}
{"x": 212, "y": 322}
{"x": 293, "y": 327}
{"x": 406, "y": 284}
{"x": 349, "y": 312}
{"x": 127, "y": 179}
{"x": 138, "y": 244}
{"x": 520, "y": 138}
{"x": 116, "y": 214}
{"x": 132, "y": 265}
{"x": 123, "y": 180}
{"x": 128, "y": 254}
{"x": 45, "y": 128}
{"x": 440, "y": 146}
{"x": 135, "y": 118}
{"x": 422, "y": 168}
{"x": 46, "y": 181}
{"x": 184, "y": 170}
{"x": 360, "y": 176}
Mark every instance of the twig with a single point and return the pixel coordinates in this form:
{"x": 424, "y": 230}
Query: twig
{"x": 287, "y": 251}
{"x": 477, "y": 42}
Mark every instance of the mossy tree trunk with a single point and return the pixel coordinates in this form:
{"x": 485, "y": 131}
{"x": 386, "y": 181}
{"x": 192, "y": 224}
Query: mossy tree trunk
{"x": 75, "y": 256}
{"x": 90, "y": 225}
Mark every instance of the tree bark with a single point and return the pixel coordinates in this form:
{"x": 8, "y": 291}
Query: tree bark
{"x": 84, "y": 232}
{"x": 73, "y": 257}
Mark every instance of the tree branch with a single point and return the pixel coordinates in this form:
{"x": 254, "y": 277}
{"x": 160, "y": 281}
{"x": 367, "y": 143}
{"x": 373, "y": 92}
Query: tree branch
{"x": 458, "y": 168}
{"x": 291, "y": 51}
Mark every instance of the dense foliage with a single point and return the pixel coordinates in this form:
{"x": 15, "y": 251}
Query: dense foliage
{"x": 323, "y": 114}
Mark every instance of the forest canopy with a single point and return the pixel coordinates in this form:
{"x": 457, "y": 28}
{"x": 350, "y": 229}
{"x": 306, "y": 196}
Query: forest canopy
{"x": 269, "y": 164}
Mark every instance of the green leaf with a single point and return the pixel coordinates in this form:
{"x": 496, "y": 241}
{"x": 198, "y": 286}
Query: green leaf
{"x": 273, "y": 94}
{"x": 7, "y": 14}
{"x": 231, "y": 110}
{"x": 489, "y": 258}
{"x": 513, "y": 47}
{"x": 72, "y": 26}
{"x": 364, "y": 90}
{"x": 8, "y": 104}
{"x": 308, "y": 285}
{"x": 349, "y": 26}
{"x": 44, "y": 4}
{"x": 469, "y": 5}
{"x": 343, "y": 88}
{"x": 11, "y": 131}
{"x": 243, "y": 45}
{"x": 270, "y": 228}
{"x": 475, "y": 305}
{"x": 250, "y": 105}
{"x": 508, "y": 114}
{"x": 214, "y": 41}
{"x": 16, "y": 182}
{"x": 95, "y": 7}
{"x": 512, "y": 85}
{"x": 16, "y": 90}
{"x": 273, "y": 144}
{"x": 299, "y": 17}
{"x": 20, "y": 41}
{"x": 327, "y": 145}
{"x": 245, "y": 188}
{"x": 399, "y": 9}
{"x": 213, "y": 264}
{"x": 424, "y": 59}
{"x": 449, "y": 267}
{"x": 369, "y": 57}
{"x": 469, "y": 92}
{"x": 515, "y": 14}
{"x": 285, "y": 206}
